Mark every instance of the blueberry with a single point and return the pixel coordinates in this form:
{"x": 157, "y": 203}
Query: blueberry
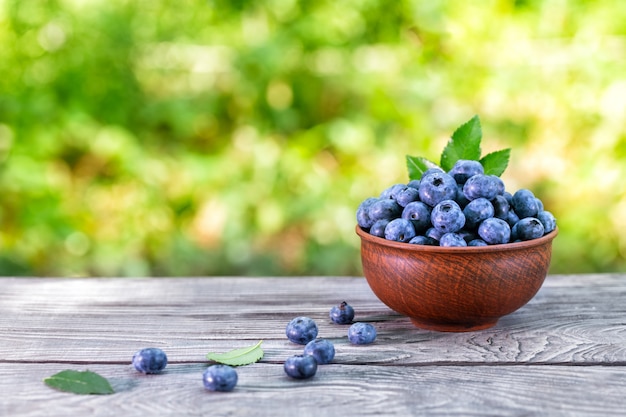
{"x": 452, "y": 240}
{"x": 486, "y": 186}
{"x": 476, "y": 211}
{"x": 524, "y": 203}
{"x": 301, "y": 330}
{"x": 362, "y": 213}
{"x": 477, "y": 242}
{"x": 407, "y": 195}
{"x": 378, "y": 228}
{"x": 321, "y": 349}
{"x": 414, "y": 184}
{"x": 539, "y": 204}
{"x": 400, "y": 230}
{"x": 423, "y": 240}
{"x": 460, "y": 197}
{"x": 392, "y": 192}
{"x": 219, "y": 378}
{"x": 501, "y": 207}
{"x": 436, "y": 187}
{"x": 301, "y": 366}
{"x": 434, "y": 234}
{"x": 432, "y": 170}
{"x": 419, "y": 214}
{"x": 361, "y": 333}
{"x": 150, "y": 360}
{"x": 447, "y": 217}
{"x": 463, "y": 169}
{"x": 387, "y": 209}
{"x": 528, "y": 228}
{"x": 342, "y": 313}
{"x": 494, "y": 231}
{"x": 512, "y": 218}
{"x": 548, "y": 221}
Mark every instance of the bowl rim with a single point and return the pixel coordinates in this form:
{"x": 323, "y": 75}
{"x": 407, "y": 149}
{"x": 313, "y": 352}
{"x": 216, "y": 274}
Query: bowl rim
{"x": 504, "y": 247}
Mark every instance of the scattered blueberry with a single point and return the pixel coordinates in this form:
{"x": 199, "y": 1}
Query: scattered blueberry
{"x": 501, "y": 207}
{"x": 301, "y": 366}
{"x": 477, "y": 242}
{"x": 219, "y": 378}
{"x": 392, "y": 192}
{"x": 342, "y": 313}
{"x": 361, "y": 333}
{"x": 321, "y": 349}
{"x": 301, "y": 330}
{"x": 150, "y": 360}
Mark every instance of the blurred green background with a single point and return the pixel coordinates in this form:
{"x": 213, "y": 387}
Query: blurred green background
{"x": 236, "y": 137}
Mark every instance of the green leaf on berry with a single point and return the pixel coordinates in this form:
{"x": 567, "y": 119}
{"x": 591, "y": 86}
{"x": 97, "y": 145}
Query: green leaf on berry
{"x": 495, "y": 163}
{"x": 78, "y": 382}
{"x": 417, "y": 166}
{"x": 464, "y": 144}
{"x": 238, "y": 357}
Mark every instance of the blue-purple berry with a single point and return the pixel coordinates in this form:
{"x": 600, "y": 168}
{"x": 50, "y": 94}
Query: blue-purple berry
{"x": 418, "y": 213}
{"x": 494, "y": 231}
{"x": 300, "y": 366}
{"x": 219, "y": 377}
{"x": 481, "y": 185}
{"x": 447, "y": 217}
{"x": 361, "y": 333}
{"x": 528, "y": 228}
{"x": 399, "y": 230}
{"x": 301, "y": 330}
{"x": 342, "y": 313}
{"x": 436, "y": 187}
{"x": 464, "y": 169}
{"x": 150, "y": 360}
{"x": 452, "y": 240}
{"x": 321, "y": 349}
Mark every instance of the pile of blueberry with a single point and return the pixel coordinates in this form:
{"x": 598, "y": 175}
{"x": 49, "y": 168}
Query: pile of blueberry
{"x": 461, "y": 207}
{"x": 301, "y": 330}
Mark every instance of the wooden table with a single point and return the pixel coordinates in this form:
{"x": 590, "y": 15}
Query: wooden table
{"x": 563, "y": 354}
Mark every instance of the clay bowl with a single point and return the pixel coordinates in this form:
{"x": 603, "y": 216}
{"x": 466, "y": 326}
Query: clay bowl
{"x": 455, "y": 289}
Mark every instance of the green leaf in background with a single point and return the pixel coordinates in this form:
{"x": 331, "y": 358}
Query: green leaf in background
{"x": 238, "y": 357}
{"x": 496, "y": 162}
{"x": 464, "y": 144}
{"x": 77, "y": 382}
{"x": 417, "y": 165}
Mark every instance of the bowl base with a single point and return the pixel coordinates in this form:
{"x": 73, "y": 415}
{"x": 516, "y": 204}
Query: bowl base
{"x": 452, "y": 327}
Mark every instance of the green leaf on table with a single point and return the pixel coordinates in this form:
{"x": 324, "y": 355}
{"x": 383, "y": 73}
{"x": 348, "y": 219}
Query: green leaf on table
{"x": 417, "y": 165}
{"x": 495, "y": 163}
{"x": 464, "y": 144}
{"x": 238, "y": 357}
{"x": 77, "y": 382}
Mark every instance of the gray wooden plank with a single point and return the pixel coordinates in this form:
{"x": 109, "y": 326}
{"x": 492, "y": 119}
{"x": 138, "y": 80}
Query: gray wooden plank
{"x": 573, "y": 319}
{"x": 337, "y": 389}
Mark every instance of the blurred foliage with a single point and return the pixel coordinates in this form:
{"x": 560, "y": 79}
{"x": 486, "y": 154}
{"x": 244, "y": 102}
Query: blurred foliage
{"x": 236, "y": 137}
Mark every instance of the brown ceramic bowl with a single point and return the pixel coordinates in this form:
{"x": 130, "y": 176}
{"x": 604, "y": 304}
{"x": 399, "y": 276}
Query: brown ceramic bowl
{"x": 455, "y": 289}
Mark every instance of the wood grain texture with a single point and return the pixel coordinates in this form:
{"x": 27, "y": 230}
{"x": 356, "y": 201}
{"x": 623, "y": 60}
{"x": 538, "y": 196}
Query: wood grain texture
{"x": 263, "y": 389}
{"x": 564, "y": 353}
